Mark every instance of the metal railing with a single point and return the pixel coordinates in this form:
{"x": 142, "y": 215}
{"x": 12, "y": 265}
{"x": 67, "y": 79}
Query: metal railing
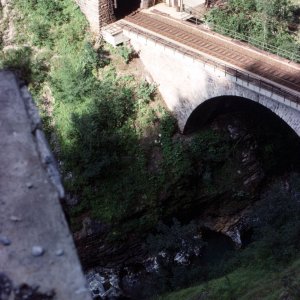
{"x": 228, "y": 70}
{"x": 293, "y": 56}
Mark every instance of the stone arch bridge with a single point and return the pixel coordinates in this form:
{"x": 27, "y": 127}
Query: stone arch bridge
{"x": 194, "y": 65}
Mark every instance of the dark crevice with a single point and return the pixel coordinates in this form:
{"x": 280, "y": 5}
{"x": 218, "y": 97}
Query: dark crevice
{"x": 125, "y": 8}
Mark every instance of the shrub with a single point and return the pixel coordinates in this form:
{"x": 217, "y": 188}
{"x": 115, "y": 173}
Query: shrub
{"x": 126, "y": 52}
{"x": 165, "y": 245}
{"x": 259, "y": 22}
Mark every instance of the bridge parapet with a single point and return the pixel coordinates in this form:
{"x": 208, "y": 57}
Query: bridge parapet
{"x": 38, "y": 258}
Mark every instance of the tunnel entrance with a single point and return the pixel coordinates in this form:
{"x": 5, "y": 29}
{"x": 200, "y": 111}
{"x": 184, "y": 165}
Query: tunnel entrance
{"x": 125, "y": 7}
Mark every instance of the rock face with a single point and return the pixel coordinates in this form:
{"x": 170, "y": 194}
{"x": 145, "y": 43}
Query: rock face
{"x": 231, "y": 219}
{"x": 106, "y": 288}
{"x": 249, "y": 163}
{"x": 131, "y": 263}
{"x": 94, "y": 251}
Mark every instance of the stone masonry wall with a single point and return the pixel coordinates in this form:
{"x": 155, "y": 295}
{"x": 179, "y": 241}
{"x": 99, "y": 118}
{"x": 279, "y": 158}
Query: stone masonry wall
{"x": 106, "y": 12}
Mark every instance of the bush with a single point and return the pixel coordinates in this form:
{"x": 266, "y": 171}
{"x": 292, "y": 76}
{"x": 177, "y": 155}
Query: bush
{"x": 72, "y": 75}
{"x": 32, "y": 69}
{"x": 260, "y": 22}
{"x": 126, "y": 52}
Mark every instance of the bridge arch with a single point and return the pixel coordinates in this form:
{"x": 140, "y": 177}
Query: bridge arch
{"x": 211, "y": 108}
{"x": 219, "y": 94}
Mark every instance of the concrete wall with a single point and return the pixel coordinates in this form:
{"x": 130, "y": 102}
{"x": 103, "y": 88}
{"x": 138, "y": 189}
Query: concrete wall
{"x": 90, "y": 9}
{"x": 98, "y": 12}
{"x": 185, "y": 83}
{"x": 38, "y": 258}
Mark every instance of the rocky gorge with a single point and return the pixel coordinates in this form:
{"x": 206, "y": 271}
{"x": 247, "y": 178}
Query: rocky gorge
{"x": 225, "y": 207}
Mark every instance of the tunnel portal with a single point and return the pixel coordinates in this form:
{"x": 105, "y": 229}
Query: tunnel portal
{"x": 123, "y": 8}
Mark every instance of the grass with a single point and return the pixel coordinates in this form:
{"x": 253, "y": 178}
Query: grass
{"x": 246, "y": 284}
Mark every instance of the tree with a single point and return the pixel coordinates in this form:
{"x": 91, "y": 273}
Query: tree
{"x": 281, "y": 10}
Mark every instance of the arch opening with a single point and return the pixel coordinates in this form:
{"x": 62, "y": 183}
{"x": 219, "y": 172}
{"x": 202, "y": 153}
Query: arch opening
{"x": 278, "y": 139}
{"x": 214, "y": 107}
{"x": 124, "y": 8}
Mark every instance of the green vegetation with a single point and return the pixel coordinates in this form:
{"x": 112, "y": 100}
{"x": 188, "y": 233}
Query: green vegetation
{"x": 263, "y": 23}
{"x": 246, "y": 284}
{"x": 106, "y": 127}
{"x": 121, "y": 155}
{"x": 269, "y": 267}
{"x": 126, "y": 52}
{"x": 97, "y": 123}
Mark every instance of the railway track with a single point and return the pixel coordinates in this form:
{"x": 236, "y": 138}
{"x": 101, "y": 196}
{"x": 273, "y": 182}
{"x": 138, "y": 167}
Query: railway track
{"x": 226, "y": 51}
